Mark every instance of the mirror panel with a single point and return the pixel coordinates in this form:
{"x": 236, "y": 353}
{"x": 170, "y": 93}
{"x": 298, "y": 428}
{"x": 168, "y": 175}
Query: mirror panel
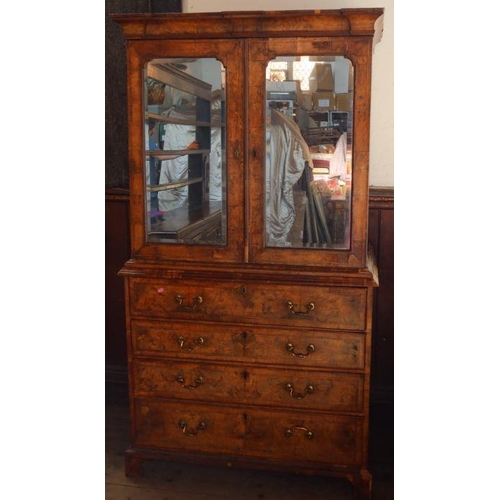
{"x": 309, "y": 104}
{"x": 185, "y": 154}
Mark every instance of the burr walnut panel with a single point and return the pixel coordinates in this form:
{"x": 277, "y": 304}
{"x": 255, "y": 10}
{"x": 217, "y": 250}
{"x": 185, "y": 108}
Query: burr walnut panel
{"x": 234, "y": 383}
{"x": 342, "y": 308}
{"x": 277, "y": 435}
{"x": 216, "y": 341}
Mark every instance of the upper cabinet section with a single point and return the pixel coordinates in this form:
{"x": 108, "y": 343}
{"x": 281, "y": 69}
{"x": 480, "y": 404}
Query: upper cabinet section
{"x": 249, "y": 137}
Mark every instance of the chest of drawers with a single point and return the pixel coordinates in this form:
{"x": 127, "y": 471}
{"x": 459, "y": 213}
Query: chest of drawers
{"x": 258, "y": 372}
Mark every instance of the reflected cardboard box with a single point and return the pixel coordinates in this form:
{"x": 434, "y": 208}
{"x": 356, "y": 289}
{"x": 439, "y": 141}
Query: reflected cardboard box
{"x": 321, "y": 78}
{"x": 343, "y": 102}
{"x": 307, "y": 100}
{"x": 324, "y": 101}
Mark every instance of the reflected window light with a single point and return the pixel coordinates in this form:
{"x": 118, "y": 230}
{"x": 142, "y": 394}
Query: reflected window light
{"x": 302, "y": 71}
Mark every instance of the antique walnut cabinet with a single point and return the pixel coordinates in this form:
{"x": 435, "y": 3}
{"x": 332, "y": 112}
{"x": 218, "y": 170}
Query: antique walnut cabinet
{"x": 250, "y": 285}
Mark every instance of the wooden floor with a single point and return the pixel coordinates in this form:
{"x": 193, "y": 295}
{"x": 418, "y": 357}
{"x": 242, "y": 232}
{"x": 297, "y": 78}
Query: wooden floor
{"x": 179, "y": 481}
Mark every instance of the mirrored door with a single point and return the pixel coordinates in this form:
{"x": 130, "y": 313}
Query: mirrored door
{"x": 186, "y": 142}
{"x": 185, "y": 151}
{"x": 308, "y": 152}
{"x": 308, "y": 164}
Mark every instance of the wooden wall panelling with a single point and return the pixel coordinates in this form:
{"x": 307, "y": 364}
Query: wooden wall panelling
{"x": 381, "y": 237}
{"x": 117, "y": 251}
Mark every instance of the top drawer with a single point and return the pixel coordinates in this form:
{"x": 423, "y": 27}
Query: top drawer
{"x": 341, "y": 308}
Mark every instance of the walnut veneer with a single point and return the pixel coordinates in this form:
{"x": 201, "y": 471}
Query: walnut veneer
{"x": 242, "y": 354}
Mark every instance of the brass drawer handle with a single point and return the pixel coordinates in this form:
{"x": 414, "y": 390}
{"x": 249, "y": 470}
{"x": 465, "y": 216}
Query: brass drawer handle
{"x": 308, "y": 434}
{"x": 197, "y": 342}
{"x": 200, "y": 427}
{"x": 291, "y": 305}
{"x": 196, "y": 301}
{"x": 291, "y": 349}
{"x": 289, "y": 388}
{"x": 198, "y": 381}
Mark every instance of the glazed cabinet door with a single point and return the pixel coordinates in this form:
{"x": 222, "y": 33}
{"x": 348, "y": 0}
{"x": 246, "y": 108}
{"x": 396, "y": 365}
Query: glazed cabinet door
{"x": 308, "y": 145}
{"x": 186, "y": 149}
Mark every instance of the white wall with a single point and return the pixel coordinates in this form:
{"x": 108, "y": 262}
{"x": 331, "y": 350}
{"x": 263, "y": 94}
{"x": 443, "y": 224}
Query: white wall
{"x": 382, "y": 115}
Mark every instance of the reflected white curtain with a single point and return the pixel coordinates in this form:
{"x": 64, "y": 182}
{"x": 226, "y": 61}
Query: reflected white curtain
{"x": 176, "y": 137}
{"x": 287, "y": 154}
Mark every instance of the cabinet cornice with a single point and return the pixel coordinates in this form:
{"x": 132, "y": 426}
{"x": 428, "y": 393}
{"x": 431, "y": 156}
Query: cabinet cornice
{"x": 254, "y": 24}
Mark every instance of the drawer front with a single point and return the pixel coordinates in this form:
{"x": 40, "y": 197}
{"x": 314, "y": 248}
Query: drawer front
{"x": 341, "y": 308}
{"x": 236, "y": 384}
{"x": 276, "y": 435}
{"x": 293, "y": 346}
{"x": 298, "y": 437}
{"x": 188, "y": 427}
{"x": 187, "y": 340}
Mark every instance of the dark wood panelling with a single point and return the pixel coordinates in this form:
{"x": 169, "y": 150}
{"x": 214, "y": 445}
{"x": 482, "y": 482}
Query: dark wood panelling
{"x": 117, "y": 245}
{"x": 117, "y": 251}
{"x": 381, "y": 237}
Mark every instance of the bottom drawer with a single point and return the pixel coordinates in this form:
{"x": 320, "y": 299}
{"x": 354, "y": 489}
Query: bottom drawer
{"x": 276, "y": 435}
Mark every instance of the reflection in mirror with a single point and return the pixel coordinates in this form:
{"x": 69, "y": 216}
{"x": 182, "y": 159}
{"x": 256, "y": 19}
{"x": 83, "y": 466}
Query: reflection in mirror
{"x": 309, "y": 104}
{"x": 184, "y": 132}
